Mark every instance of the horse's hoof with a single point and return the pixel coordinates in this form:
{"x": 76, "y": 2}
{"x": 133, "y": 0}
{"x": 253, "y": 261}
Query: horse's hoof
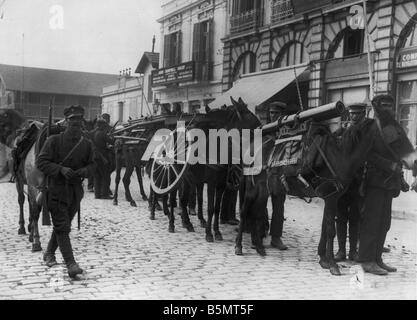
{"x": 152, "y": 217}
{"x": 133, "y": 203}
{"x": 171, "y": 229}
{"x": 238, "y": 251}
{"x": 203, "y": 223}
{"x": 209, "y": 238}
{"x": 261, "y": 252}
{"x": 144, "y": 198}
{"x": 36, "y": 247}
{"x": 324, "y": 263}
{"x": 334, "y": 270}
{"x": 30, "y": 238}
{"x": 190, "y": 228}
{"x": 115, "y": 203}
{"x": 192, "y": 212}
{"x": 21, "y": 232}
{"x": 218, "y": 236}
{"x": 158, "y": 207}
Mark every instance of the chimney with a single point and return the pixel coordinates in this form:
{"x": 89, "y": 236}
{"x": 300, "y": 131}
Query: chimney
{"x": 153, "y": 44}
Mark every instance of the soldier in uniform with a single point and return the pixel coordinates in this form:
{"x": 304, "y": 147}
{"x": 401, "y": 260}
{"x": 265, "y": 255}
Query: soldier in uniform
{"x": 276, "y": 110}
{"x": 349, "y": 203}
{"x": 65, "y": 159}
{"x": 104, "y": 155}
{"x": 112, "y": 161}
{"x": 383, "y": 182}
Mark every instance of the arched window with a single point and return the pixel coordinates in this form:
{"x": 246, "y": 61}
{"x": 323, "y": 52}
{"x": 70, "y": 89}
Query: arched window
{"x": 347, "y": 43}
{"x": 291, "y": 54}
{"x": 411, "y": 40}
{"x": 245, "y": 64}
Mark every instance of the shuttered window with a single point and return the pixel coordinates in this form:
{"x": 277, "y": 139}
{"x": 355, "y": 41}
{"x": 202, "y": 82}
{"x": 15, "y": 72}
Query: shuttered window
{"x": 172, "y": 49}
{"x": 202, "y": 49}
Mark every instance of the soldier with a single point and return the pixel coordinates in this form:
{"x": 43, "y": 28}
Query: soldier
{"x": 112, "y": 162}
{"x": 104, "y": 155}
{"x": 65, "y": 159}
{"x": 383, "y": 182}
{"x": 276, "y": 110}
{"x": 349, "y": 203}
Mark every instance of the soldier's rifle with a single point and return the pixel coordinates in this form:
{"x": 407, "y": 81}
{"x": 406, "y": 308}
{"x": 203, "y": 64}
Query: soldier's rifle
{"x": 46, "y": 219}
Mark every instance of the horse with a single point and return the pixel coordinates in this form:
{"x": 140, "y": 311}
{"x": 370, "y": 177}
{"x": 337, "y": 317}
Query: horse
{"x": 26, "y": 140}
{"x": 341, "y": 160}
{"x": 129, "y": 155}
{"x": 236, "y": 116}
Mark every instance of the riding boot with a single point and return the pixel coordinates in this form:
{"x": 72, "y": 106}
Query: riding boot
{"x": 64, "y": 244}
{"x": 353, "y": 246}
{"x": 49, "y": 255}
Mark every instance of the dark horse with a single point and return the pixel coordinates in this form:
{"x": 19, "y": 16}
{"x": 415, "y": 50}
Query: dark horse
{"x": 344, "y": 158}
{"x": 129, "y": 154}
{"x": 237, "y": 116}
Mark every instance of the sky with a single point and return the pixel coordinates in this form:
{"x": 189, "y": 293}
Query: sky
{"x": 103, "y": 36}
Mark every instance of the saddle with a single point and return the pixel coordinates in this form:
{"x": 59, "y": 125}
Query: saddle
{"x": 24, "y": 142}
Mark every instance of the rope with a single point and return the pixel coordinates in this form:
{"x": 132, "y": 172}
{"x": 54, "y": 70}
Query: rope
{"x": 298, "y": 90}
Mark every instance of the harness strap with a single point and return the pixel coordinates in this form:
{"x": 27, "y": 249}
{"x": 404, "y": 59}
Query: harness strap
{"x": 325, "y": 160}
{"x": 393, "y": 154}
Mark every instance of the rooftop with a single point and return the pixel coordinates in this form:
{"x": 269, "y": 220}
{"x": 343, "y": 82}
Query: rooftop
{"x": 55, "y": 81}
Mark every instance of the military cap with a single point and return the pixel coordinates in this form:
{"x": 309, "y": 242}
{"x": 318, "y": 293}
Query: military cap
{"x": 277, "y": 106}
{"x": 105, "y": 116}
{"x": 357, "y": 107}
{"x": 74, "y": 111}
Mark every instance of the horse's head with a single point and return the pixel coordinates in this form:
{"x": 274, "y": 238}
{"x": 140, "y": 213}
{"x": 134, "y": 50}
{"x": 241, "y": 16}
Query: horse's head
{"x": 10, "y": 121}
{"x": 243, "y": 117}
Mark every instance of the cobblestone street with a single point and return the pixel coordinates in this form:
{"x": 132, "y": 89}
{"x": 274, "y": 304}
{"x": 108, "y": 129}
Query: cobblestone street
{"x": 128, "y": 256}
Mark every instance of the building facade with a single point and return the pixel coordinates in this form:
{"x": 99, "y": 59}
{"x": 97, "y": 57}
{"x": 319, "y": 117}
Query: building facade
{"x": 31, "y": 90}
{"x": 191, "y": 62}
{"x": 324, "y": 43}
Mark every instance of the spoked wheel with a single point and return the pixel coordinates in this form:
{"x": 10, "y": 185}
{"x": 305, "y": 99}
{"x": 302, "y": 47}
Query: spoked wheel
{"x": 169, "y": 164}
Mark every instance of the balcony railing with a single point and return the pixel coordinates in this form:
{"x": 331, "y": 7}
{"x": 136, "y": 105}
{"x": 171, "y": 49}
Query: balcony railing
{"x": 246, "y": 21}
{"x": 281, "y": 10}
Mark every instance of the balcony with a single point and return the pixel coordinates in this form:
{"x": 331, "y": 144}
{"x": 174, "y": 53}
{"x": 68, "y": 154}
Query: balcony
{"x": 281, "y": 10}
{"x": 246, "y": 21}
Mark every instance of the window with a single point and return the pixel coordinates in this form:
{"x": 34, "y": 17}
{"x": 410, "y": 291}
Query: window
{"x": 246, "y": 64}
{"x": 349, "y": 42}
{"x": 411, "y": 40}
{"x": 246, "y": 15}
{"x": 34, "y": 98}
{"x": 291, "y": 54}
{"x": 241, "y": 6}
{"x": 202, "y": 49}
{"x": 172, "y": 49}
{"x": 281, "y": 10}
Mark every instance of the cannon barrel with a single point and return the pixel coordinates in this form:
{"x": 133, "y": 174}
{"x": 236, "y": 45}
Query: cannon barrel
{"x": 322, "y": 113}
{"x": 130, "y": 138}
{"x": 138, "y": 125}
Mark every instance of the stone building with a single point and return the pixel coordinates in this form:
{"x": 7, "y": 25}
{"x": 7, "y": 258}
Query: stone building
{"x": 322, "y": 43}
{"x": 191, "y": 60}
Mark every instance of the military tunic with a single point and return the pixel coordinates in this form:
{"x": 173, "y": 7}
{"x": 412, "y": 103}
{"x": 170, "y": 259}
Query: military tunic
{"x": 64, "y": 196}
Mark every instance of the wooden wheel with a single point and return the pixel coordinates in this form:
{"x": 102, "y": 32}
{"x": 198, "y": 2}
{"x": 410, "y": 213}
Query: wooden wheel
{"x": 169, "y": 164}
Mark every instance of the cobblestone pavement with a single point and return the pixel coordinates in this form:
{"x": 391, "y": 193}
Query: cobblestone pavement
{"x": 128, "y": 256}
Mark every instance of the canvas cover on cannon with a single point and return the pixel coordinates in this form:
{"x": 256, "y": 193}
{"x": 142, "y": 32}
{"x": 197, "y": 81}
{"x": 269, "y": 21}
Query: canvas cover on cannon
{"x": 298, "y": 151}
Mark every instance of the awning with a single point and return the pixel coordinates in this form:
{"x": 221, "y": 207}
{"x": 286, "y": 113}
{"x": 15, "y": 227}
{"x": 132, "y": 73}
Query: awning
{"x": 256, "y": 88}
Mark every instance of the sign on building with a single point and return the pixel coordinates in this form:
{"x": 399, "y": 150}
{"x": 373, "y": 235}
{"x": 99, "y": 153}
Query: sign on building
{"x": 181, "y": 73}
{"x": 407, "y": 59}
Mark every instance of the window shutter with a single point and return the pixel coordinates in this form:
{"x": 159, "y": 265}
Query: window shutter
{"x": 167, "y": 47}
{"x": 209, "y": 52}
{"x": 196, "y": 42}
{"x": 178, "y": 48}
